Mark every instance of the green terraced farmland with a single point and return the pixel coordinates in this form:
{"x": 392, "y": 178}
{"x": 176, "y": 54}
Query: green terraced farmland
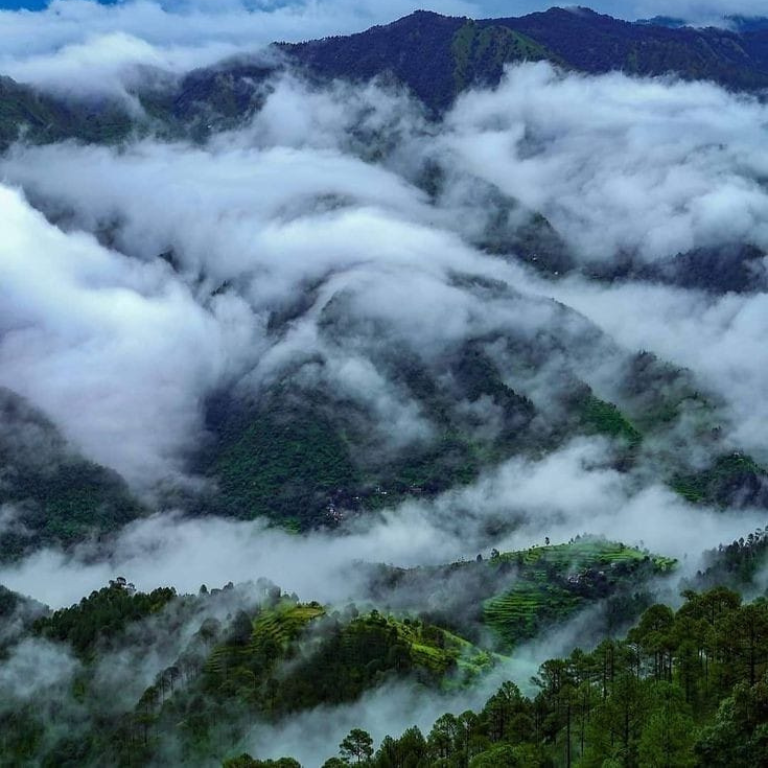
{"x": 273, "y": 632}
{"x": 553, "y": 582}
{"x": 443, "y": 652}
{"x": 341, "y": 660}
{"x": 284, "y": 623}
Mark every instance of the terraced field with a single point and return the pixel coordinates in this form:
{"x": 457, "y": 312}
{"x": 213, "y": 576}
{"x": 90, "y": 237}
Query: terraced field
{"x": 582, "y": 553}
{"x": 284, "y": 623}
{"x": 273, "y": 632}
{"x": 521, "y": 611}
{"x": 442, "y": 652}
{"x": 352, "y": 654}
{"x": 553, "y": 582}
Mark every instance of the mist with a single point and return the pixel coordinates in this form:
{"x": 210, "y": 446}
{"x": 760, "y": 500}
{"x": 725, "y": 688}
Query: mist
{"x": 256, "y": 215}
{"x": 570, "y": 493}
{"x": 84, "y": 49}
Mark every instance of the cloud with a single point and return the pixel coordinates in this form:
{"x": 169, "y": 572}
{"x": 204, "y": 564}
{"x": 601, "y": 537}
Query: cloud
{"x": 572, "y": 492}
{"x": 35, "y": 669}
{"x": 312, "y": 737}
{"x": 120, "y": 347}
{"x": 720, "y": 339}
{"x": 109, "y": 347}
{"x": 317, "y": 199}
{"x": 250, "y": 221}
{"x": 80, "y": 47}
{"x": 653, "y": 168}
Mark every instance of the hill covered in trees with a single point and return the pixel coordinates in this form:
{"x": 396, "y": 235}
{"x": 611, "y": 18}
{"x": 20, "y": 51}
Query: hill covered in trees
{"x": 195, "y": 672}
{"x": 686, "y": 688}
{"x": 437, "y": 57}
{"x": 463, "y": 53}
{"x": 681, "y": 687}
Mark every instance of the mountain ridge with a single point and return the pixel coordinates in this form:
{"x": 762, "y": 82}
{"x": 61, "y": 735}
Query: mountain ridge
{"x": 583, "y": 41}
{"x": 435, "y": 56}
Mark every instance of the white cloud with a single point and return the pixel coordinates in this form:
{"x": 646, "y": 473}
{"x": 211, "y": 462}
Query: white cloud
{"x": 82, "y": 47}
{"x": 720, "y": 339}
{"x": 111, "y": 348}
{"x": 572, "y": 492}
{"x": 652, "y": 167}
{"x": 287, "y": 202}
{"x": 34, "y": 667}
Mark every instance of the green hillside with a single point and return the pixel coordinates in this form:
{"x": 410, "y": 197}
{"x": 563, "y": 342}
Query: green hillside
{"x": 732, "y": 479}
{"x": 554, "y": 582}
{"x": 519, "y": 595}
{"x": 661, "y": 697}
{"x": 57, "y": 496}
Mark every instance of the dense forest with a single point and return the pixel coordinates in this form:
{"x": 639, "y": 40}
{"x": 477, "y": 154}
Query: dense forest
{"x": 685, "y": 688}
{"x": 646, "y": 685}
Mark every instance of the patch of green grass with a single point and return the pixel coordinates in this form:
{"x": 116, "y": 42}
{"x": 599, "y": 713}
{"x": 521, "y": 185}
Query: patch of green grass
{"x": 603, "y": 418}
{"x": 442, "y": 652}
{"x": 481, "y": 50}
{"x": 285, "y": 623}
{"x": 273, "y": 632}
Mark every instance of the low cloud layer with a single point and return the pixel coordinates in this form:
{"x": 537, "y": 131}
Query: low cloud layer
{"x": 568, "y": 494}
{"x": 721, "y": 339}
{"x": 81, "y": 47}
{"x": 653, "y": 168}
{"x": 257, "y": 218}
{"x": 107, "y": 345}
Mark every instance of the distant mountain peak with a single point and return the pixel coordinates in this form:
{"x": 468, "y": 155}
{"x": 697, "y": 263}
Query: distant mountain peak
{"x": 420, "y": 17}
{"x": 569, "y": 10}
{"x": 422, "y": 13}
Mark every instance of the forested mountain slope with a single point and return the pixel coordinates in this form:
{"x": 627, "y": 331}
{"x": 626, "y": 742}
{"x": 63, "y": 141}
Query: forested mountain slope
{"x": 461, "y": 53}
{"x": 437, "y": 57}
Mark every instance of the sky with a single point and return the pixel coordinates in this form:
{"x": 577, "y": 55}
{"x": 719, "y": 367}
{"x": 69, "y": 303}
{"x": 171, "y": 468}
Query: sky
{"x": 627, "y": 9}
